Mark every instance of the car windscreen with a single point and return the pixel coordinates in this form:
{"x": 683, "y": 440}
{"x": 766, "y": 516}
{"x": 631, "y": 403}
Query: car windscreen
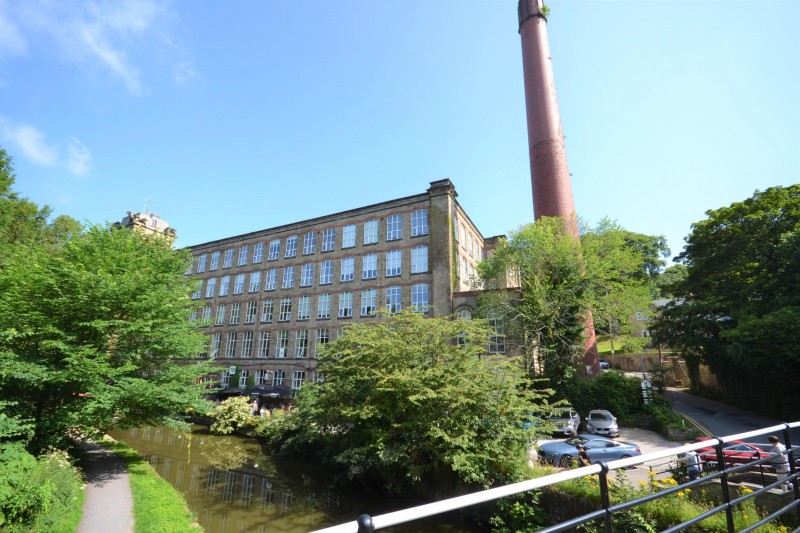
{"x": 599, "y": 416}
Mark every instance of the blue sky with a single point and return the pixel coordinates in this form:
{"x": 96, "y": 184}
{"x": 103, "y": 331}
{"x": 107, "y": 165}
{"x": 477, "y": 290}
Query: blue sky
{"x": 238, "y": 116}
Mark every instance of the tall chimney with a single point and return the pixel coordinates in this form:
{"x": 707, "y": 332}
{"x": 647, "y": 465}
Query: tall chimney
{"x": 552, "y": 190}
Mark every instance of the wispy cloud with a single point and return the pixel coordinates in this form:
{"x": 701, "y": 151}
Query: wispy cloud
{"x": 79, "y": 157}
{"x": 33, "y": 145}
{"x": 114, "y": 35}
{"x": 11, "y": 40}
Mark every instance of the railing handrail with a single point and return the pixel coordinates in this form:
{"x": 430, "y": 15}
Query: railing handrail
{"x": 459, "y": 502}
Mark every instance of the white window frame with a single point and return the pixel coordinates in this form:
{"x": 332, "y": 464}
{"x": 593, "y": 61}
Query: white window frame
{"x": 246, "y": 349}
{"x": 301, "y": 344}
{"x": 345, "y": 304}
{"x": 255, "y": 281}
{"x": 298, "y": 377}
{"x": 251, "y": 312}
{"x": 326, "y": 272}
{"x": 214, "y": 261}
{"x": 281, "y": 345}
{"x": 278, "y": 378}
{"x": 324, "y": 306}
{"x": 238, "y": 284}
{"x": 258, "y": 253}
{"x": 210, "y": 287}
{"x": 304, "y": 308}
{"x": 323, "y": 337}
{"x": 419, "y": 222}
{"x": 230, "y": 345}
{"x": 328, "y": 239}
{"x": 307, "y": 275}
{"x": 207, "y": 313}
{"x": 349, "y": 236}
{"x": 310, "y": 243}
{"x": 369, "y": 302}
{"x": 219, "y": 317}
{"x": 243, "y": 252}
{"x": 394, "y": 263}
{"x": 216, "y": 340}
{"x": 224, "y": 285}
{"x": 419, "y": 259}
{"x": 236, "y": 308}
{"x": 420, "y": 298}
{"x": 371, "y": 231}
{"x": 369, "y": 266}
{"x": 391, "y": 292}
{"x": 274, "y": 250}
{"x": 347, "y": 269}
{"x": 263, "y": 344}
{"x": 201, "y": 263}
{"x": 288, "y": 278}
{"x": 267, "y": 311}
{"x": 285, "y": 313}
{"x": 291, "y": 247}
{"x": 394, "y": 227}
{"x": 228, "y": 261}
{"x": 271, "y": 282}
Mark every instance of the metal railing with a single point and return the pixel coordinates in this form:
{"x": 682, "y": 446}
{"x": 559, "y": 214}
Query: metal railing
{"x": 366, "y": 523}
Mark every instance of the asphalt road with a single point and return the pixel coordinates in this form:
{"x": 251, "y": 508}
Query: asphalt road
{"x": 720, "y": 420}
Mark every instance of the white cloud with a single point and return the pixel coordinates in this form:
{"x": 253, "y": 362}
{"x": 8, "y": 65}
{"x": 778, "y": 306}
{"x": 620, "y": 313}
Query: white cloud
{"x": 79, "y": 157}
{"x": 32, "y": 143}
{"x": 184, "y": 72}
{"x": 11, "y": 40}
{"x": 109, "y": 34}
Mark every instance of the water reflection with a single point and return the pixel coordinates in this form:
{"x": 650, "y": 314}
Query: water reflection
{"x": 232, "y": 486}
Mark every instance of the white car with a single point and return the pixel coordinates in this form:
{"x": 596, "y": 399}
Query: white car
{"x": 601, "y": 422}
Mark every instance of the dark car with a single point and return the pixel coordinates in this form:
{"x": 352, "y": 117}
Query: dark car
{"x": 563, "y": 453}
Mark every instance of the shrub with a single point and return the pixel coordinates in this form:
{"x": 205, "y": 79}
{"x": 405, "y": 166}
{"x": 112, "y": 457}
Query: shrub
{"x": 37, "y": 494}
{"x": 611, "y": 390}
{"x": 233, "y": 413}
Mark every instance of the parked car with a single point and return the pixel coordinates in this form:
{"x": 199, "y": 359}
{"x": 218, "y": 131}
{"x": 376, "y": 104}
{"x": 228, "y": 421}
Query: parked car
{"x": 602, "y": 422}
{"x": 604, "y": 365}
{"x": 562, "y": 453}
{"x": 567, "y": 423}
{"x": 738, "y": 452}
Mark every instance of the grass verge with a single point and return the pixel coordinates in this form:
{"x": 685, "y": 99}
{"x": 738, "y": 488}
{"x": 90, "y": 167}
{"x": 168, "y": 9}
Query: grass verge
{"x": 156, "y": 504}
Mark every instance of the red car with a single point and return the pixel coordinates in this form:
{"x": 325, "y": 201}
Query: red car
{"x": 736, "y": 453}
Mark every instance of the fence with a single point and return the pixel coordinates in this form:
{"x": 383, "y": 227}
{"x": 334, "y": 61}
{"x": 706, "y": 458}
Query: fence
{"x": 607, "y": 511}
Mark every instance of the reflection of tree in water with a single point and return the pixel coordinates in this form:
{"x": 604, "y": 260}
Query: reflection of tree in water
{"x": 226, "y": 453}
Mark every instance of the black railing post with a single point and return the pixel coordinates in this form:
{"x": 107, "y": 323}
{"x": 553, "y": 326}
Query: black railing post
{"x": 364, "y": 522}
{"x": 726, "y": 494}
{"x": 792, "y": 468}
{"x": 605, "y": 497}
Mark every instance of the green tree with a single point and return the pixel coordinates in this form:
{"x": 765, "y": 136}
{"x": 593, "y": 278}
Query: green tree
{"x": 737, "y": 308}
{"x": 621, "y": 268}
{"x": 404, "y": 405}
{"x": 91, "y": 332}
{"x": 668, "y": 280}
{"x": 22, "y": 221}
{"x": 535, "y": 280}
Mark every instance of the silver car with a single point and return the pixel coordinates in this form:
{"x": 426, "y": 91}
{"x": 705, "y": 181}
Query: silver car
{"x": 566, "y": 423}
{"x": 601, "y": 422}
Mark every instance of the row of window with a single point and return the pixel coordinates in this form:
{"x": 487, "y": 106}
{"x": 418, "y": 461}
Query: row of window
{"x": 347, "y": 265}
{"x": 346, "y": 301}
{"x": 394, "y": 231}
{"x": 262, "y": 377}
{"x": 470, "y": 244}
{"x": 265, "y": 344}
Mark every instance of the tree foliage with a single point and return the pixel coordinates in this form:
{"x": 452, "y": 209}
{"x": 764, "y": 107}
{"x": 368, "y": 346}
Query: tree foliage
{"x": 403, "y": 405}
{"x": 22, "y": 221}
{"x": 232, "y": 413}
{"x": 90, "y": 332}
{"x": 737, "y": 308}
{"x": 546, "y": 309}
{"x": 622, "y": 268}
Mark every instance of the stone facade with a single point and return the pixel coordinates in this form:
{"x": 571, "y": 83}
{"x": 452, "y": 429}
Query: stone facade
{"x": 273, "y": 295}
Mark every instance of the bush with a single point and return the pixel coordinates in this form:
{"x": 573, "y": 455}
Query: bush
{"x": 611, "y": 390}
{"x": 38, "y": 494}
{"x": 230, "y": 415}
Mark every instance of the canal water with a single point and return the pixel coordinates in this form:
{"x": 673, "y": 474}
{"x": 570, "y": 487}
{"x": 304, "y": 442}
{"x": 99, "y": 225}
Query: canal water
{"x": 232, "y": 486}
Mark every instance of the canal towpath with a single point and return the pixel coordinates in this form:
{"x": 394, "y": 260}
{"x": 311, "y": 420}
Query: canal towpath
{"x": 108, "y": 503}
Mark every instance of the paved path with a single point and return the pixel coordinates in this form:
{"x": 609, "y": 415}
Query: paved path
{"x": 108, "y": 504}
